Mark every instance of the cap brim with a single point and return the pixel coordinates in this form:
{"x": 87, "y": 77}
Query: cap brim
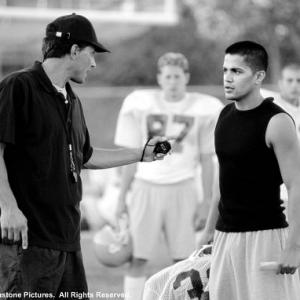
{"x": 100, "y": 48}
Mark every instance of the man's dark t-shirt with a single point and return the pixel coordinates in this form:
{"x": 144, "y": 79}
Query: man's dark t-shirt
{"x": 37, "y": 126}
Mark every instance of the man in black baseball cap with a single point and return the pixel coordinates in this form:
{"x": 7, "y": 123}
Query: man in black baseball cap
{"x": 71, "y": 43}
{"x": 44, "y": 144}
{"x": 74, "y": 28}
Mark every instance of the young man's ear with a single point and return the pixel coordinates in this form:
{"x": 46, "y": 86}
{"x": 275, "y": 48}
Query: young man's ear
{"x": 260, "y": 76}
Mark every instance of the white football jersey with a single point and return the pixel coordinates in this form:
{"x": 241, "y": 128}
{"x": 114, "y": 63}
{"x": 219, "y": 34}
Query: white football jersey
{"x": 267, "y": 93}
{"x": 185, "y": 280}
{"x": 190, "y": 122}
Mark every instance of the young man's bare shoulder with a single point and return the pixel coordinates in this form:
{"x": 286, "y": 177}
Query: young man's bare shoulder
{"x": 281, "y": 127}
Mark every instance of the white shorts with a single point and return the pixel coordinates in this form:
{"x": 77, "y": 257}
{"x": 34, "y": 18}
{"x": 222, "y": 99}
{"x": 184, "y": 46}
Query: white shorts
{"x": 235, "y": 272}
{"x": 170, "y": 209}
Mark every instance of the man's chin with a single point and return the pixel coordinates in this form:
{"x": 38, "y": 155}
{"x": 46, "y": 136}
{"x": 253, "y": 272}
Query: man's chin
{"x": 230, "y": 97}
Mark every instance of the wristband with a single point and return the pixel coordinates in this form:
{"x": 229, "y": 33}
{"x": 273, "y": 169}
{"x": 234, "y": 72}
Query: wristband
{"x": 143, "y": 153}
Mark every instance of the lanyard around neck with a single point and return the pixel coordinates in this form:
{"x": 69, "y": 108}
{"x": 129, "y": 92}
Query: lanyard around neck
{"x": 67, "y": 125}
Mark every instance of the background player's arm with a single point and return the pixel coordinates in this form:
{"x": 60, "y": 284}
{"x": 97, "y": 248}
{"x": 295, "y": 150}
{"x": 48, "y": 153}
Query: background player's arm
{"x": 208, "y": 232}
{"x": 207, "y": 175}
{"x": 13, "y": 222}
{"x": 207, "y": 164}
{"x": 207, "y": 156}
{"x": 127, "y": 176}
{"x": 281, "y": 135}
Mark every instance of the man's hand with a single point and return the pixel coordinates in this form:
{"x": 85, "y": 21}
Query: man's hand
{"x": 200, "y": 216}
{"x": 149, "y": 154}
{"x": 121, "y": 206}
{"x": 205, "y": 239}
{"x": 289, "y": 260}
{"x": 13, "y": 226}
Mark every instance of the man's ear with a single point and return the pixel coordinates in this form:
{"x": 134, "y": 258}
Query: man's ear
{"x": 260, "y": 76}
{"x": 74, "y": 51}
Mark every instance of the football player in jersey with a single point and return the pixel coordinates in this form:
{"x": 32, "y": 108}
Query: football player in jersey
{"x": 288, "y": 98}
{"x": 289, "y": 92}
{"x": 165, "y": 197}
{"x": 289, "y": 88}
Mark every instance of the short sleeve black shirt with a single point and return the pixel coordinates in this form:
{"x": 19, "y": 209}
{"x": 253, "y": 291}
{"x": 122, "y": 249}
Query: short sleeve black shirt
{"x": 33, "y": 122}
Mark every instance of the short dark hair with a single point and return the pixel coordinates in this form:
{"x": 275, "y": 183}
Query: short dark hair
{"x": 57, "y": 47}
{"x": 255, "y": 55}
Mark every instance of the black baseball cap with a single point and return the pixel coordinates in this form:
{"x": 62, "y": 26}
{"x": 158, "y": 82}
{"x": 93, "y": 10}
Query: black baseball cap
{"x": 75, "y": 28}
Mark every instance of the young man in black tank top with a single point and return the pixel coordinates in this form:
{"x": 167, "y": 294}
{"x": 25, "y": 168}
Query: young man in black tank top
{"x": 257, "y": 149}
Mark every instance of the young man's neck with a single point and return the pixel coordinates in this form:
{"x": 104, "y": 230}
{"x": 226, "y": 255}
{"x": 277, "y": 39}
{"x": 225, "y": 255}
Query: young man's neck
{"x": 250, "y": 101}
{"x": 56, "y": 70}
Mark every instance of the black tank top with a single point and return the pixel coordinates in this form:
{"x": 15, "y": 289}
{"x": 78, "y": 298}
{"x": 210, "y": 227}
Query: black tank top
{"x": 250, "y": 178}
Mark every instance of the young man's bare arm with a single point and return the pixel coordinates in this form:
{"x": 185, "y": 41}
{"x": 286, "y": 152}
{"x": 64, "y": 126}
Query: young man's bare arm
{"x": 13, "y": 222}
{"x": 281, "y": 135}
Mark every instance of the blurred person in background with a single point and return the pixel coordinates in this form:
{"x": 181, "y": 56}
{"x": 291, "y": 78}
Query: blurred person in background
{"x": 164, "y": 198}
{"x": 289, "y": 90}
{"x": 44, "y": 144}
{"x": 288, "y": 98}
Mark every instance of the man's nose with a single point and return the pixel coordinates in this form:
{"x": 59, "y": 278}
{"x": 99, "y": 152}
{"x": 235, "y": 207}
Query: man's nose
{"x": 228, "y": 77}
{"x": 93, "y": 63}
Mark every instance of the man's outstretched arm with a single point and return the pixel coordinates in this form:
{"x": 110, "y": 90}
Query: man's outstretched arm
{"x": 109, "y": 158}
